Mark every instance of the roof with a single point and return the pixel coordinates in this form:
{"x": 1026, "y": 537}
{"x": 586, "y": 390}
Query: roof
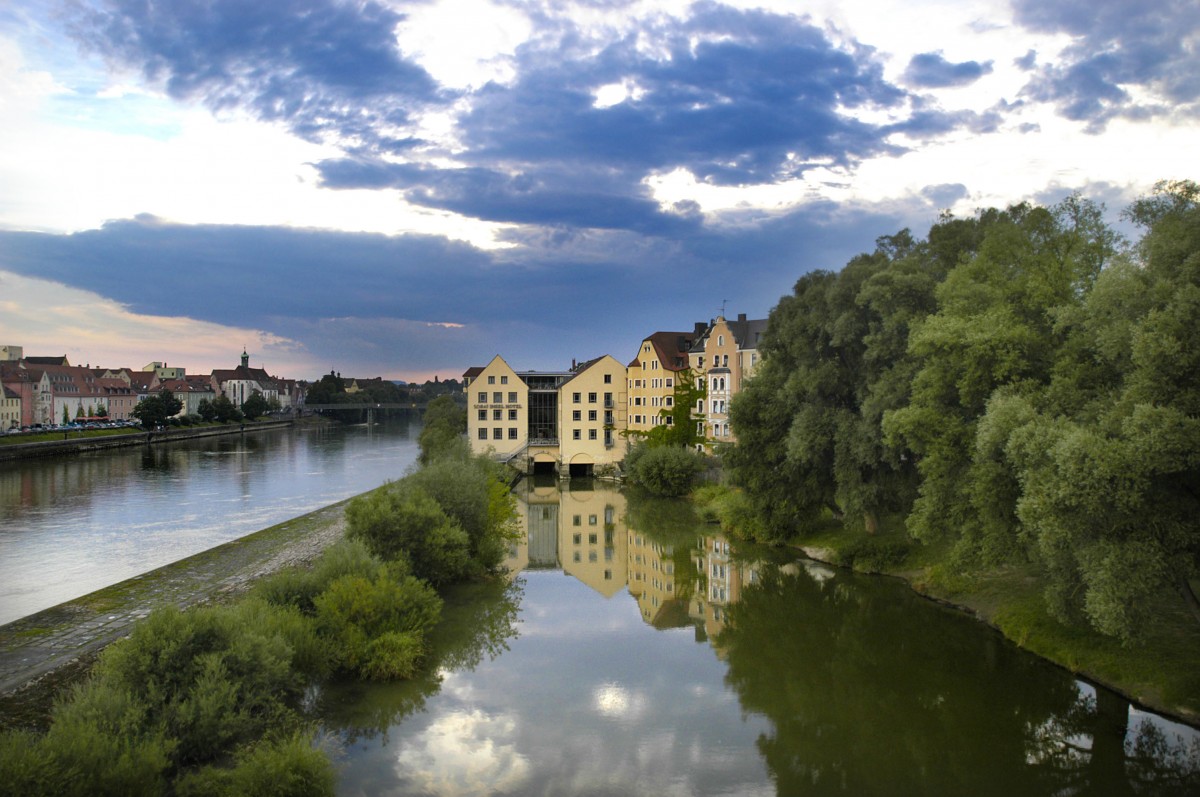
{"x": 671, "y": 348}
{"x": 747, "y": 333}
{"x": 473, "y": 371}
{"x": 47, "y": 360}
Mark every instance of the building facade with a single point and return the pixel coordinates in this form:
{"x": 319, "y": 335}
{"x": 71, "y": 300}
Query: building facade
{"x": 568, "y": 422}
{"x": 722, "y": 358}
{"x": 653, "y": 377}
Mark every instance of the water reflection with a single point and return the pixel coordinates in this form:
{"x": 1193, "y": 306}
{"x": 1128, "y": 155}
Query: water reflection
{"x": 733, "y": 670}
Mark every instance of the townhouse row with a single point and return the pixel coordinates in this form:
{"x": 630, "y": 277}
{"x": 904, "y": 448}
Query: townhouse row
{"x": 45, "y": 390}
{"x": 580, "y": 421}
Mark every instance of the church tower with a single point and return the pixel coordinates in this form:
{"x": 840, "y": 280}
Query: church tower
{"x": 245, "y": 358}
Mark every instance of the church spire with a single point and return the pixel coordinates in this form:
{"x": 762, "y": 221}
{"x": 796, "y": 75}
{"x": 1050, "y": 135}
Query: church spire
{"x": 245, "y": 358}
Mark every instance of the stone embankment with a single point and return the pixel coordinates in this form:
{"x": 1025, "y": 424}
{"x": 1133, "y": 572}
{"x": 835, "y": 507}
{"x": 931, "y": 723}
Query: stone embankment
{"x": 74, "y": 445}
{"x": 68, "y": 636}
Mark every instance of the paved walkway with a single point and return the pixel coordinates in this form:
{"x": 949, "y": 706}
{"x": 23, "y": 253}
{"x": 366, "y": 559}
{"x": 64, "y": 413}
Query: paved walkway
{"x": 34, "y": 646}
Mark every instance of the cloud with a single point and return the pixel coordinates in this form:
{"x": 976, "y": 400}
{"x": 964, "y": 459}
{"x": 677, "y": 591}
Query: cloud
{"x": 1130, "y": 60}
{"x": 932, "y": 70}
{"x": 325, "y": 68}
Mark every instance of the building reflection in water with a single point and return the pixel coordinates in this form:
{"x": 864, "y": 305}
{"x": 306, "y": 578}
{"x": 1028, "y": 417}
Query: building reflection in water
{"x": 583, "y": 528}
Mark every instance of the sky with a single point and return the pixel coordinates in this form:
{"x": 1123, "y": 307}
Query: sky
{"x": 406, "y": 189}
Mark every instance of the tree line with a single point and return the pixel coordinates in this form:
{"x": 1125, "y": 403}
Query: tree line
{"x": 1022, "y": 385}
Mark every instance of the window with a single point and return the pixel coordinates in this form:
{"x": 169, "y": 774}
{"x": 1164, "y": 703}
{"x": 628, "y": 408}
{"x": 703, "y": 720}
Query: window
{"x": 637, "y": 401}
{"x": 720, "y": 340}
{"x": 608, "y": 379}
{"x": 497, "y": 433}
{"x": 497, "y": 398}
{"x": 504, "y": 380}
{"x": 670, "y": 382}
{"x": 576, "y": 434}
{"x": 700, "y": 361}
{"x": 591, "y": 398}
{"x": 577, "y": 520}
{"x": 577, "y": 538}
{"x": 670, "y": 401}
{"x": 575, "y": 397}
{"x": 512, "y": 415}
{"x": 608, "y": 402}
{"x": 592, "y": 521}
{"x": 483, "y": 415}
{"x": 491, "y": 380}
{"x": 591, "y": 415}
{"x": 577, "y": 415}
{"x": 482, "y": 433}
{"x": 512, "y": 433}
{"x": 482, "y": 397}
{"x": 497, "y": 414}
{"x": 512, "y": 397}
{"x": 725, "y": 359}
{"x": 591, "y": 434}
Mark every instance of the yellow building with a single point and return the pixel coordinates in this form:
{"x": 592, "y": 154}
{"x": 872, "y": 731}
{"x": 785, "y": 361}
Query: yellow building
{"x": 652, "y": 377}
{"x": 724, "y": 356}
{"x": 565, "y": 422}
{"x": 10, "y": 409}
{"x": 592, "y": 536}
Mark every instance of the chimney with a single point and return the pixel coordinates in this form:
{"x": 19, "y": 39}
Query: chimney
{"x": 700, "y": 327}
{"x": 741, "y": 318}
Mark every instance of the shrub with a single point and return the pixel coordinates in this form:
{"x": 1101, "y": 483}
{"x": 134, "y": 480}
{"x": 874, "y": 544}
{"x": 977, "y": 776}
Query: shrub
{"x": 472, "y": 492}
{"x": 874, "y": 554}
{"x": 209, "y": 677}
{"x": 663, "y": 470}
{"x": 402, "y": 521}
{"x": 355, "y": 612}
{"x": 299, "y": 587}
{"x": 289, "y": 767}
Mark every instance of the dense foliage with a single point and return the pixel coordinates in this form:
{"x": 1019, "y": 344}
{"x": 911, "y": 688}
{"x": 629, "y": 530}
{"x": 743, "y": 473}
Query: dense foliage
{"x": 663, "y": 470}
{"x": 1021, "y": 385}
{"x": 153, "y": 411}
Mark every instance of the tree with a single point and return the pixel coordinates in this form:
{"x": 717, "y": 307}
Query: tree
{"x": 224, "y": 411}
{"x": 663, "y": 470}
{"x": 445, "y": 422}
{"x": 206, "y": 410}
{"x": 255, "y": 406}
{"x": 66, "y": 416}
{"x": 153, "y": 411}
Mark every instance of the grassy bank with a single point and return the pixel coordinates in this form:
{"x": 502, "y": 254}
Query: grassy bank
{"x": 1160, "y": 671}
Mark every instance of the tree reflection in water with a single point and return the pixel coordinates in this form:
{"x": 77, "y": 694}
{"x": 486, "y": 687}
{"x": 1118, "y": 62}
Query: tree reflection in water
{"x": 869, "y": 694}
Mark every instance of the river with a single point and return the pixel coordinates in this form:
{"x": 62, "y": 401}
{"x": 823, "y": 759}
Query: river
{"x": 70, "y": 525}
{"x": 637, "y": 652}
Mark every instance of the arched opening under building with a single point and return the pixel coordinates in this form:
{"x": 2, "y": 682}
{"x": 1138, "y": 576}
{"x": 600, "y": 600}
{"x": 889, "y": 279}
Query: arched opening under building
{"x": 543, "y": 468}
{"x": 580, "y": 470}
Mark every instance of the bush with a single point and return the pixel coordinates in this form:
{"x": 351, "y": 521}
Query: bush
{"x": 403, "y": 522}
{"x": 355, "y": 613}
{"x": 874, "y": 554}
{"x": 289, "y": 767}
{"x": 663, "y": 470}
{"x": 299, "y": 588}
{"x": 209, "y": 677}
{"x": 472, "y": 492}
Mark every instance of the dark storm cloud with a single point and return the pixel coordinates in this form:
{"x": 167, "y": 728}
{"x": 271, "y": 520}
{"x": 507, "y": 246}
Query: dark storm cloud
{"x": 734, "y": 97}
{"x": 321, "y": 66}
{"x": 932, "y": 70}
{"x": 1117, "y": 45}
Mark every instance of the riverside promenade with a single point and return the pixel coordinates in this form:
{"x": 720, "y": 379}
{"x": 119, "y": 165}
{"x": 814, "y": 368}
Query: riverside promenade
{"x": 68, "y": 636}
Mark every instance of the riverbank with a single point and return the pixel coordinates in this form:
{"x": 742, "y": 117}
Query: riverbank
{"x": 77, "y": 442}
{"x": 1161, "y": 672}
{"x": 41, "y": 653}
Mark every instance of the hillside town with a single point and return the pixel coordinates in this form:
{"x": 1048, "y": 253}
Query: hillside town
{"x": 41, "y": 391}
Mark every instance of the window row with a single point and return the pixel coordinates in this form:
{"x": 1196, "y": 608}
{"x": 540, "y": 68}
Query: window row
{"x": 498, "y": 433}
{"x": 497, "y": 397}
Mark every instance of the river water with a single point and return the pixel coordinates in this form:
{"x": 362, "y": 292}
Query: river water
{"x": 73, "y": 524}
{"x": 637, "y": 652}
